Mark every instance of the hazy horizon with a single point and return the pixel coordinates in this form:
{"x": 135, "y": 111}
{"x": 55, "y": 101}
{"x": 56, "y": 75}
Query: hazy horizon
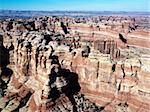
{"x": 74, "y": 11}
{"x": 76, "y": 5}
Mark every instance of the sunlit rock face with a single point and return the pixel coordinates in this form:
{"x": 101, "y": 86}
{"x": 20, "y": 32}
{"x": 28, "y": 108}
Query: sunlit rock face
{"x": 61, "y": 64}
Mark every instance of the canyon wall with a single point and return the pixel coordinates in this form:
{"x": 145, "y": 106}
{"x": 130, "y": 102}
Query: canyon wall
{"x": 53, "y": 66}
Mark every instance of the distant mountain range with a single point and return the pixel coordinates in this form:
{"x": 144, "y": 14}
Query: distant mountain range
{"x": 29, "y": 14}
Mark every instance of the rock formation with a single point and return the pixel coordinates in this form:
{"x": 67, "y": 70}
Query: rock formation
{"x": 60, "y": 64}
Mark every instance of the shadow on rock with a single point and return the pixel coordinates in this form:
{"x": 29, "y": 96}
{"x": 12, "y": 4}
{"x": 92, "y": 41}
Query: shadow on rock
{"x": 4, "y": 54}
{"x": 5, "y": 71}
{"x": 63, "y": 81}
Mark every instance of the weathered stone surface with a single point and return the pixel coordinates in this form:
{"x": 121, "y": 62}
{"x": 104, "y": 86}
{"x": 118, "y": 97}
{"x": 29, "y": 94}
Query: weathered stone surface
{"x": 47, "y": 62}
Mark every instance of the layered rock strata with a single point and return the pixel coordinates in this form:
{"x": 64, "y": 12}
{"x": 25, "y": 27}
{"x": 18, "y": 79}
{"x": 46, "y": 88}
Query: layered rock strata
{"x": 47, "y": 62}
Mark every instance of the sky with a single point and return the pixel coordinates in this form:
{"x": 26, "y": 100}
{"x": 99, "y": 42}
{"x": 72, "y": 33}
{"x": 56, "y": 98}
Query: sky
{"x": 77, "y": 5}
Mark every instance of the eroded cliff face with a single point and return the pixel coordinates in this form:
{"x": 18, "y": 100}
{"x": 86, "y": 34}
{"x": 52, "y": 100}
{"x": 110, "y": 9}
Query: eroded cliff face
{"x": 47, "y": 66}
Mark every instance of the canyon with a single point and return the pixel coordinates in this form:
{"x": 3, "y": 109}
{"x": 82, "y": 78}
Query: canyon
{"x": 68, "y": 64}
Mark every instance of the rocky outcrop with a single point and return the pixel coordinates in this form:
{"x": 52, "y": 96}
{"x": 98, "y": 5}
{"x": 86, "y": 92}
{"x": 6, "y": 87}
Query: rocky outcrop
{"x": 38, "y": 82}
{"x": 47, "y": 65}
{"x": 107, "y": 47}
